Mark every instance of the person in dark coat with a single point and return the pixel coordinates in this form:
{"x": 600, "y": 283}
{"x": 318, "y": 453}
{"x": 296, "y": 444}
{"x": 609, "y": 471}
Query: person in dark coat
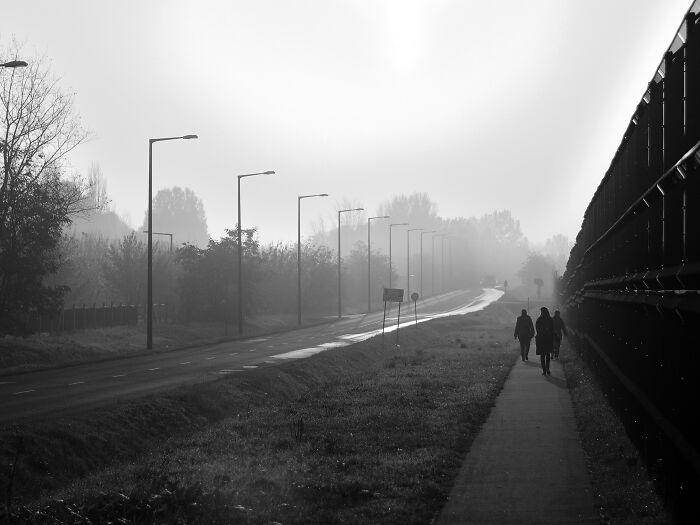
{"x": 544, "y": 340}
{"x": 559, "y": 328}
{"x": 524, "y": 332}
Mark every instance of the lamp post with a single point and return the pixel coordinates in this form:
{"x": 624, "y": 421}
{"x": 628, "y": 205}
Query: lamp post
{"x": 149, "y": 298}
{"x": 240, "y": 250}
{"x": 340, "y": 307}
{"x": 299, "y": 250}
{"x": 432, "y": 264}
{"x": 369, "y": 256}
{"x": 390, "y": 227}
{"x": 408, "y": 259}
{"x": 164, "y": 233}
{"x": 421, "y": 259}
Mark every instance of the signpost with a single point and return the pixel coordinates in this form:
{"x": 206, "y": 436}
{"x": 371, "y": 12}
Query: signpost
{"x": 392, "y": 295}
{"x": 414, "y": 297}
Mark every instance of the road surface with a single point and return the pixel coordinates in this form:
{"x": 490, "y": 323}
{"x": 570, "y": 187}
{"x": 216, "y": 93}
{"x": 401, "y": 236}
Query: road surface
{"x": 58, "y": 391}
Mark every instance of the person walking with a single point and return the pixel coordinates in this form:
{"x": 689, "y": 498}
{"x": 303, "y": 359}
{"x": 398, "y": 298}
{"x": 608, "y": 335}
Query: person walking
{"x": 559, "y": 328}
{"x": 544, "y": 339}
{"x": 524, "y": 332}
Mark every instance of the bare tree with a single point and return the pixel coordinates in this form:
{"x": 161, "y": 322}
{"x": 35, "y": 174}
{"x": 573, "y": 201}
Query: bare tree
{"x": 38, "y": 128}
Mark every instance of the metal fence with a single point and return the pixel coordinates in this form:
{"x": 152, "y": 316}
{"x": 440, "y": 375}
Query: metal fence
{"x": 632, "y": 283}
{"x": 84, "y": 317}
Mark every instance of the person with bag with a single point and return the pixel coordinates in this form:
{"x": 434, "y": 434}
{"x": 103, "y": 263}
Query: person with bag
{"x": 524, "y": 332}
{"x": 544, "y": 339}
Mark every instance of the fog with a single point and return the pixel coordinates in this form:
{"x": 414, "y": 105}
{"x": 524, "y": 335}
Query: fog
{"x": 484, "y": 107}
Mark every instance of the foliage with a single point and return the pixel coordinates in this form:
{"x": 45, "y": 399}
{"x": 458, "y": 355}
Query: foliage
{"x": 539, "y": 270}
{"x": 38, "y": 127}
{"x": 181, "y": 213}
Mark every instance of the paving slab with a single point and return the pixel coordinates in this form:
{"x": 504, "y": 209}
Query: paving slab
{"x": 527, "y": 464}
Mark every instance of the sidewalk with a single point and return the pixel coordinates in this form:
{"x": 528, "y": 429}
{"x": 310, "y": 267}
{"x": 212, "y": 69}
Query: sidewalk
{"x": 526, "y": 465}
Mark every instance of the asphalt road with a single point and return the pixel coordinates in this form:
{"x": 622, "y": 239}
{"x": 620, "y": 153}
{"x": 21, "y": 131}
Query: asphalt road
{"x": 58, "y": 391}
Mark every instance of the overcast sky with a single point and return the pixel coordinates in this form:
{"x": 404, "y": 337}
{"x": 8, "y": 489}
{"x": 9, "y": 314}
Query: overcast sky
{"x": 483, "y": 105}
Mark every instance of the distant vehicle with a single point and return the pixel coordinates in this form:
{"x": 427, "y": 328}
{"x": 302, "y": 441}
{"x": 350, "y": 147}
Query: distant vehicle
{"x": 488, "y": 281}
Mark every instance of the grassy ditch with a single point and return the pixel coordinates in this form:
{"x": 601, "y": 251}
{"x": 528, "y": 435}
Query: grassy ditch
{"x": 354, "y": 435}
{"x": 622, "y": 485}
{"x": 21, "y": 354}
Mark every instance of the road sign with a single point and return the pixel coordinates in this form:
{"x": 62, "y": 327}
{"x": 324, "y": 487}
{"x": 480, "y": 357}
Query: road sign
{"x": 414, "y": 296}
{"x": 393, "y": 295}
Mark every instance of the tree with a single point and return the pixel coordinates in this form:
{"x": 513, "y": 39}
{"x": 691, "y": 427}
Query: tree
{"x": 38, "y": 127}
{"x": 536, "y": 269}
{"x": 180, "y": 212}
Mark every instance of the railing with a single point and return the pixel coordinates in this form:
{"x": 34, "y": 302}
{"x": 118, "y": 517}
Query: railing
{"x": 632, "y": 284}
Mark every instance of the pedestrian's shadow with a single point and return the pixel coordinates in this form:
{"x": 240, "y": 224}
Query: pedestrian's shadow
{"x": 561, "y": 383}
{"x": 533, "y": 363}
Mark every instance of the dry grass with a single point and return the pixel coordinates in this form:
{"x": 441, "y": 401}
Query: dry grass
{"x": 354, "y": 435}
{"x": 622, "y": 485}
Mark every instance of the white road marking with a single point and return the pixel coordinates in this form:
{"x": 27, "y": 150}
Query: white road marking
{"x": 23, "y": 392}
{"x": 253, "y": 350}
{"x": 227, "y": 370}
{"x": 186, "y": 363}
{"x": 250, "y": 366}
{"x": 233, "y": 353}
{"x": 119, "y": 375}
{"x": 270, "y": 346}
{"x": 7, "y": 382}
{"x": 152, "y": 369}
{"x": 210, "y": 358}
{"x": 258, "y": 340}
{"x": 77, "y": 383}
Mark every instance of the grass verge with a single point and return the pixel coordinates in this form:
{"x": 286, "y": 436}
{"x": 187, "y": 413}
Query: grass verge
{"x": 38, "y": 351}
{"x": 354, "y": 435}
{"x": 622, "y": 485}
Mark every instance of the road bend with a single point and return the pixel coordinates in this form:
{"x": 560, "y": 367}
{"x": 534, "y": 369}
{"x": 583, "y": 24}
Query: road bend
{"x": 59, "y": 391}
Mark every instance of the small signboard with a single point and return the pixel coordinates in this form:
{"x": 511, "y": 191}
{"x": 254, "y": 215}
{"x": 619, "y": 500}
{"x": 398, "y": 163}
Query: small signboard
{"x": 393, "y": 295}
{"x": 414, "y": 296}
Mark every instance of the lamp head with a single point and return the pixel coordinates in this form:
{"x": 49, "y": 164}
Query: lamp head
{"x": 14, "y": 63}
{"x": 268, "y": 172}
{"x": 323, "y": 195}
{"x": 187, "y": 137}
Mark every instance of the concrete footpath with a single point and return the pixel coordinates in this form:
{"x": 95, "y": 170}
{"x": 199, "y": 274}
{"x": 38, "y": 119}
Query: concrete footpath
{"x": 526, "y": 465}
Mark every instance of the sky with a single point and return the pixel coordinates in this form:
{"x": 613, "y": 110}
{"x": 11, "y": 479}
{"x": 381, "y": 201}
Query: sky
{"x": 484, "y": 106}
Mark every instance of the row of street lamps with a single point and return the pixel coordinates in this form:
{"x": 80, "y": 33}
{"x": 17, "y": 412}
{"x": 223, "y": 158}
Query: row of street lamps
{"x": 149, "y": 314}
{"x": 150, "y": 232}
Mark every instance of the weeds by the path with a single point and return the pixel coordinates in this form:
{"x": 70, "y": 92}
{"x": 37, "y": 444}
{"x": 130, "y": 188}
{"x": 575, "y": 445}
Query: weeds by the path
{"x": 620, "y": 480}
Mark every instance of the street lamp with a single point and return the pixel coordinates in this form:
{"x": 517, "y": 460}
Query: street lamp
{"x": 432, "y": 264}
{"x": 240, "y": 251}
{"x": 369, "y": 256}
{"x": 408, "y": 259}
{"x": 390, "y": 227}
{"x": 340, "y": 308}
{"x": 299, "y": 250}
{"x": 421, "y": 259}
{"x": 163, "y": 233}
{"x": 149, "y": 307}
{"x": 14, "y": 63}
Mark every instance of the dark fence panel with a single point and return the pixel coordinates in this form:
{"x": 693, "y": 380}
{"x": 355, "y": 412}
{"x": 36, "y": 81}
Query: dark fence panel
{"x": 632, "y": 284}
{"x": 84, "y": 318}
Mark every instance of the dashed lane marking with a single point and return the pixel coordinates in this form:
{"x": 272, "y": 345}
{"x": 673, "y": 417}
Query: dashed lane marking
{"x": 186, "y": 363}
{"x": 253, "y": 350}
{"x": 23, "y": 392}
{"x": 250, "y": 366}
{"x": 152, "y": 369}
{"x": 233, "y": 353}
{"x": 119, "y": 375}
{"x": 210, "y": 358}
{"x": 77, "y": 383}
{"x": 7, "y": 382}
